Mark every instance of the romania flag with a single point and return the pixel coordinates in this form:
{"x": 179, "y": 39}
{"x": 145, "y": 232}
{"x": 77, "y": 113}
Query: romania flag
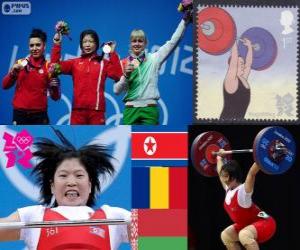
{"x": 159, "y": 187}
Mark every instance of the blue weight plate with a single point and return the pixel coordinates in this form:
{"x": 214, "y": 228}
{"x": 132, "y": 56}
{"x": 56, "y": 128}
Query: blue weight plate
{"x": 265, "y": 47}
{"x": 201, "y": 152}
{"x": 263, "y": 150}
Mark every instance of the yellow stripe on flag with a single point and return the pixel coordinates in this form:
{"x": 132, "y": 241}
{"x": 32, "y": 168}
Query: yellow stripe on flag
{"x": 159, "y": 187}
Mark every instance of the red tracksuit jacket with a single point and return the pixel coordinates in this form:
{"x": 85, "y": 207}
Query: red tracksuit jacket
{"x": 89, "y": 74}
{"x": 31, "y": 85}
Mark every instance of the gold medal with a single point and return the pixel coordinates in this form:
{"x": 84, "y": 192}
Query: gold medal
{"x": 22, "y": 62}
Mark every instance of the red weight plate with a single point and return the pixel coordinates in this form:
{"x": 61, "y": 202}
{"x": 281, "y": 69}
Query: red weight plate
{"x": 201, "y": 152}
{"x": 216, "y": 30}
{"x": 209, "y": 153}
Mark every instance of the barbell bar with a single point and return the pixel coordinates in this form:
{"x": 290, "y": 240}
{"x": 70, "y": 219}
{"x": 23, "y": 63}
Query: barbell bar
{"x": 278, "y": 148}
{"x": 236, "y": 151}
{"x": 62, "y": 223}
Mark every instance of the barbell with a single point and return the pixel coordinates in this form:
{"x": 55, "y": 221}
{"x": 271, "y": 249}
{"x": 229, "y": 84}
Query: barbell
{"x": 264, "y": 47}
{"x": 217, "y": 34}
{"x": 62, "y": 223}
{"x": 274, "y": 150}
{"x": 216, "y": 30}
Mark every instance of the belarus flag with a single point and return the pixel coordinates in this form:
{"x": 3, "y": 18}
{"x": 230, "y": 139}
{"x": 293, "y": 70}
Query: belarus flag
{"x": 159, "y": 229}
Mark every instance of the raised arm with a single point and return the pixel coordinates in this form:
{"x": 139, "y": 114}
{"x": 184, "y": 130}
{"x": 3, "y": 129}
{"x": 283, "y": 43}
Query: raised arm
{"x": 249, "y": 57}
{"x": 10, "y": 234}
{"x": 231, "y": 81}
{"x": 250, "y": 179}
{"x": 56, "y": 49}
{"x": 65, "y": 66}
{"x": 165, "y": 50}
{"x": 219, "y": 168}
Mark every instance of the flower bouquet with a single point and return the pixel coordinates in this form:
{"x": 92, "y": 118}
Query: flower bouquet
{"x": 63, "y": 28}
{"x": 54, "y": 70}
{"x": 186, "y": 6}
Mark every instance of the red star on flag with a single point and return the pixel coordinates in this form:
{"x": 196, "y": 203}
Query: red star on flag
{"x": 150, "y": 145}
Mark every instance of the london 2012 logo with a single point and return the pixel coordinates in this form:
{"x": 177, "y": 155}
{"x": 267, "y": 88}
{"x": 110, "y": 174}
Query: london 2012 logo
{"x": 17, "y": 148}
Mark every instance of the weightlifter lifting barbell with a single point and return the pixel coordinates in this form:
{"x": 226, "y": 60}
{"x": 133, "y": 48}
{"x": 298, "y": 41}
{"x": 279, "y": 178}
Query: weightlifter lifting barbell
{"x": 255, "y": 49}
{"x": 274, "y": 153}
{"x": 252, "y": 225}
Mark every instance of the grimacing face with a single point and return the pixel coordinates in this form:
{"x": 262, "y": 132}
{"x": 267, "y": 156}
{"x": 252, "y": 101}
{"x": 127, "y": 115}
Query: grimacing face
{"x": 71, "y": 185}
{"x": 36, "y": 47}
{"x": 225, "y": 178}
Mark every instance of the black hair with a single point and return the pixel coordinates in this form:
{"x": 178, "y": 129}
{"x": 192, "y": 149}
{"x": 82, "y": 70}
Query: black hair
{"x": 93, "y": 34}
{"x": 38, "y": 33}
{"x": 234, "y": 170}
{"x": 95, "y": 159}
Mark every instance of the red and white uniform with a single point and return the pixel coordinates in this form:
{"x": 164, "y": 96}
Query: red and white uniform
{"x": 107, "y": 237}
{"x": 243, "y": 212}
{"x": 89, "y": 74}
{"x": 32, "y": 83}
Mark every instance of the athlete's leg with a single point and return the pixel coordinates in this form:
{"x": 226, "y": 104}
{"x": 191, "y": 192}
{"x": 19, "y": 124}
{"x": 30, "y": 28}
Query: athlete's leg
{"x": 230, "y": 238}
{"x": 248, "y": 238}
